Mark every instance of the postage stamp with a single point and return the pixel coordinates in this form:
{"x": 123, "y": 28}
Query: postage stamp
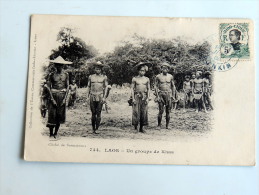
{"x": 234, "y": 41}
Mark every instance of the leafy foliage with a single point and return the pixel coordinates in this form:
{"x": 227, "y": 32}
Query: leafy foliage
{"x": 73, "y": 48}
{"x": 183, "y": 57}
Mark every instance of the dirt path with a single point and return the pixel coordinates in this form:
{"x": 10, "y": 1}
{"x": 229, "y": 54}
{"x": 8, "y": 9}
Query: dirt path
{"x": 117, "y": 123}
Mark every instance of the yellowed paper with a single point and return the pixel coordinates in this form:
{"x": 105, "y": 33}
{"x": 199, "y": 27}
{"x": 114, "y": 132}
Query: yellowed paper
{"x": 225, "y": 135}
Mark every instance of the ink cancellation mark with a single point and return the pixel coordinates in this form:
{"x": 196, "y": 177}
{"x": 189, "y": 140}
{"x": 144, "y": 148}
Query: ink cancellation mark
{"x": 217, "y": 63}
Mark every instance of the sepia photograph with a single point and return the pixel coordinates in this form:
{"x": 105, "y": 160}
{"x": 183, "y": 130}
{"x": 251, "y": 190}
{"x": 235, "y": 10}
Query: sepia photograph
{"x": 139, "y": 87}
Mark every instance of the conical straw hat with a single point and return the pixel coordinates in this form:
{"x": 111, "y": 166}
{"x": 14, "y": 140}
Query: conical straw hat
{"x": 165, "y": 64}
{"x": 60, "y": 60}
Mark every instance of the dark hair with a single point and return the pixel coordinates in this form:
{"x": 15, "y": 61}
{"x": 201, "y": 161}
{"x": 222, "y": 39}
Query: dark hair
{"x": 58, "y": 64}
{"x": 207, "y": 74}
{"x": 100, "y": 67}
{"x": 140, "y": 66}
{"x": 237, "y": 33}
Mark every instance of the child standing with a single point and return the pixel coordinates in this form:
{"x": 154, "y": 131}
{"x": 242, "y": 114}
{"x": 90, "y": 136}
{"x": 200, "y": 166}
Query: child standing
{"x": 187, "y": 89}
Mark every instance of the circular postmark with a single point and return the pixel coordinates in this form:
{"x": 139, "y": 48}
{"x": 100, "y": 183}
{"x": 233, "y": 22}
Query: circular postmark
{"x": 217, "y": 63}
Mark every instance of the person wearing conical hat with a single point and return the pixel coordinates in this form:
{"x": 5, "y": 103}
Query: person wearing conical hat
{"x": 140, "y": 92}
{"x": 197, "y": 91}
{"x": 58, "y": 83}
{"x": 164, "y": 89}
{"x": 97, "y": 93}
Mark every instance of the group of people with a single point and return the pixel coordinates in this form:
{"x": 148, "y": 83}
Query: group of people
{"x": 197, "y": 90}
{"x": 197, "y": 94}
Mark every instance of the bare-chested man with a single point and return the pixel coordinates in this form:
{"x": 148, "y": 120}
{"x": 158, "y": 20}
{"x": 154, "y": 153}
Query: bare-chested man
{"x": 164, "y": 89}
{"x": 73, "y": 93}
{"x": 198, "y": 90}
{"x": 58, "y": 83}
{"x": 140, "y": 91}
{"x": 97, "y": 92}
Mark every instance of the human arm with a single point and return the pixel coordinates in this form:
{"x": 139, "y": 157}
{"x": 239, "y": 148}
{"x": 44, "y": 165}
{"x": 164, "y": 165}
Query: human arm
{"x": 133, "y": 83}
{"x": 67, "y": 90}
{"x": 173, "y": 88}
{"x": 184, "y": 85}
{"x": 88, "y": 88}
{"x": 148, "y": 89}
{"x": 108, "y": 90}
{"x": 156, "y": 88}
{"x": 192, "y": 86}
{"x": 203, "y": 86}
{"x": 105, "y": 85}
{"x": 76, "y": 90}
{"x": 48, "y": 87}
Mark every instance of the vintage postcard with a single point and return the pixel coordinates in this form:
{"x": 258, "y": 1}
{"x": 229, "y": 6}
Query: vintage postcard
{"x": 141, "y": 90}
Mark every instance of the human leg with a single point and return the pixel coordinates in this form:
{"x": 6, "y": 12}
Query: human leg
{"x": 141, "y": 130}
{"x": 52, "y": 117}
{"x": 94, "y": 117}
{"x": 167, "y": 111}
{"x": 160, "y": 113}
{"x": 196, "y": 101}
{"x": 209, "y": 101}
{"x": 203, "y": 104}
{"x": 143, "y": 115}
{"x": 196, "y": 105}
{"x": 188, "y": 102}
{"x": 98, "y": 114}
{"x": 184, "y": 101}
{"x": 136, "y": 113}
{"x": 51, "y": 131}
{"x": 56, "y": 130}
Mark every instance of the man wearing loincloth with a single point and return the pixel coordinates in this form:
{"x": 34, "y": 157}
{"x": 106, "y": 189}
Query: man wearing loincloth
{"x": 97, "y": 92}
{"x": 164, "y": 89}
{"x": 140, "y": 91}
{"x": 198, "y": 90}
{"x": 58, "y": 83}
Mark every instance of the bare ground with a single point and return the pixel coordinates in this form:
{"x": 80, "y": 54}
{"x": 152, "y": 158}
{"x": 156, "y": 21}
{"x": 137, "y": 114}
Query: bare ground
{"x": 116, "y": 124}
